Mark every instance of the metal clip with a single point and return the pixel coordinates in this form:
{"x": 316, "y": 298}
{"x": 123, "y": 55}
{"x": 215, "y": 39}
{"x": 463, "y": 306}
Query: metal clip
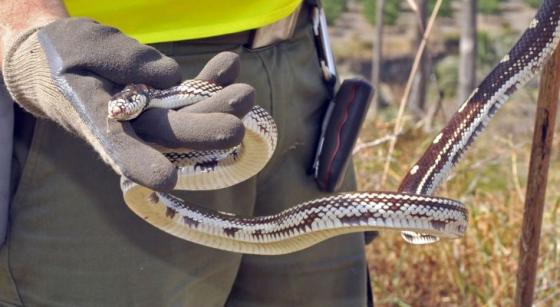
{"x": 328, "y": 69}
{"x": 321, "y": 33}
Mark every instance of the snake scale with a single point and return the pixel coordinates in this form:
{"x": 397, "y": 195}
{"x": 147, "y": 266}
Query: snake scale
{"x": 421, "y": 218}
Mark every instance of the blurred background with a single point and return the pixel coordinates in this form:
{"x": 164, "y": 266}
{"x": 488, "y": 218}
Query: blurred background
{"x": 468, "y": 38}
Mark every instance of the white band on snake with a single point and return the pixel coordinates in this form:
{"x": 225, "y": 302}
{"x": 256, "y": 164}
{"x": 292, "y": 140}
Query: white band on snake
{"x": 422, "y": 218}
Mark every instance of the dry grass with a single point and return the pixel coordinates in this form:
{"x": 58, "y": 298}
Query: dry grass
{"x": 478, "y": 270}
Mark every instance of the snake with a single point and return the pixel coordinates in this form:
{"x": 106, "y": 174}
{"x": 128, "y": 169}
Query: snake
{"x": 421, "y": 217}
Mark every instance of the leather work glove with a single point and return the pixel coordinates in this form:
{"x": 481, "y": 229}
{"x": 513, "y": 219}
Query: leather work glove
{"x": 68, "y": 70}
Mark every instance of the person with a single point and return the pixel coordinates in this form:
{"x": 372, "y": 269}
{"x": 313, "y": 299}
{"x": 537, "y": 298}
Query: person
{"x": 71, "y": 241}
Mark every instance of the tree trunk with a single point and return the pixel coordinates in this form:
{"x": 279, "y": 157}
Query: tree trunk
{"x": 377, "y": 61}
{"x": 418, "y": 96}
{"x": 468, "y": 51}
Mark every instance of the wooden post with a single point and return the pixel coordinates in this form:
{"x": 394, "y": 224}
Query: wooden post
{"x": 467, "y": 51}
{"x": 536, "y": 182}
{"x": 377, "y": 60}
{"x": 420, "y": 89}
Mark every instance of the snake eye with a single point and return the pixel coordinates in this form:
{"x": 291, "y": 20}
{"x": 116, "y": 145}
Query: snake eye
{"x": 139, "y": 99}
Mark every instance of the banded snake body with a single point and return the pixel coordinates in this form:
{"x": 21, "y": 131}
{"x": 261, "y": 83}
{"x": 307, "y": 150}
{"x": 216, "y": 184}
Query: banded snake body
{"x": 421, "y": 218}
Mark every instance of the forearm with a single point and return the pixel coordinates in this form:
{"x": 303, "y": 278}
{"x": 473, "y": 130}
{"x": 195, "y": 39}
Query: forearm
{"x": 17, "y": 16}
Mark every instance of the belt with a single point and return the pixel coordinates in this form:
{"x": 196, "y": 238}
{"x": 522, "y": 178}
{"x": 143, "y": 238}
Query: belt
{"x": 281, "y": 30}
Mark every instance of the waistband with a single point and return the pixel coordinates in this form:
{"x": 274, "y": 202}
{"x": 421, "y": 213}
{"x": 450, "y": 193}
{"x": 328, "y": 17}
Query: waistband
{"x": 275, "y": 33}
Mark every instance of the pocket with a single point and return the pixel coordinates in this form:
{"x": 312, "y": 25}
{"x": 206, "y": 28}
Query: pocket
{"x": 22, "y": 166}
{"x": 24, "y": 151}
{"x": 301, "y": 94}
{"x": 297, "y": 97}
{"x": 6, "y": 135}
{"x": 8, "y": 291}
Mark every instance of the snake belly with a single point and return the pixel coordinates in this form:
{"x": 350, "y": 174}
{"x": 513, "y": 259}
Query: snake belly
{"x": 421, "y": 218}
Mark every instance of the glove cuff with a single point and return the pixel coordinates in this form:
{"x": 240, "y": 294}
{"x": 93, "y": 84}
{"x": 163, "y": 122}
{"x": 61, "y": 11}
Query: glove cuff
{"x": 26, "y": 74}
{"x": 30, "y": 83}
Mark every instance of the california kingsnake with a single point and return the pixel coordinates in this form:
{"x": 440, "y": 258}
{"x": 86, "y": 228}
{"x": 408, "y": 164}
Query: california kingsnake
{"x": 422, "y": 218}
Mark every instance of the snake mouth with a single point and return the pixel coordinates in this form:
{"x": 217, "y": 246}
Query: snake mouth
{"x": 116, "y": 109}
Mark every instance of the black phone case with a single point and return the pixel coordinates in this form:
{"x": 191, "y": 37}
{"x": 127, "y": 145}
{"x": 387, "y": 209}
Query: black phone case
{"x": 350, "y": 107}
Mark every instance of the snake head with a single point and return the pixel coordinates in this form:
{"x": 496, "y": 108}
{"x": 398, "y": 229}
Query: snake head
{"x": 128, "y": 103}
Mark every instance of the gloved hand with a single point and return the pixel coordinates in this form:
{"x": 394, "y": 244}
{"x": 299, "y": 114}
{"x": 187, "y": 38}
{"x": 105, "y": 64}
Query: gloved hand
{"x": 68, "y": 70}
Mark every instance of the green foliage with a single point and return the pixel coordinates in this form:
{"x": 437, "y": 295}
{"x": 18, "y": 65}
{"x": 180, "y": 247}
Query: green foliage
{"x": 489, "y": 6}
{"x": 333, "y": 9}
{"x": 393, "y": 8}
{"x": 533, "y": 3}
{"x": 391, "y": 11}
{"x": 445, "y": 10}
{"x": 447, "y": 72}
{"x": 487, "y": 53}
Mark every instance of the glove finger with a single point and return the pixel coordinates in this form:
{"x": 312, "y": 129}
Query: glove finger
{"x": 109, "y": 53}
{"x": 141, "y": 65}
{"x": 138, "y": 161}
{"x": 134, "y": 62}
{"x": 205, "y": 131}
{"x": 236, "y": 99}
{"x": 156, "y": 70}
{"x": 222, "y": 69}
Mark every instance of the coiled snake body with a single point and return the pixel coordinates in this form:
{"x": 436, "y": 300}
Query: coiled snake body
{"x": 421, "y": 218}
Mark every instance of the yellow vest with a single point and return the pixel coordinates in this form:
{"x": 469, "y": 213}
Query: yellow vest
{"x": 153, "y": 21}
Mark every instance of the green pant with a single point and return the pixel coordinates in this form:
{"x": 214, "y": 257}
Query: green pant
{"x": 73, "y": 242}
